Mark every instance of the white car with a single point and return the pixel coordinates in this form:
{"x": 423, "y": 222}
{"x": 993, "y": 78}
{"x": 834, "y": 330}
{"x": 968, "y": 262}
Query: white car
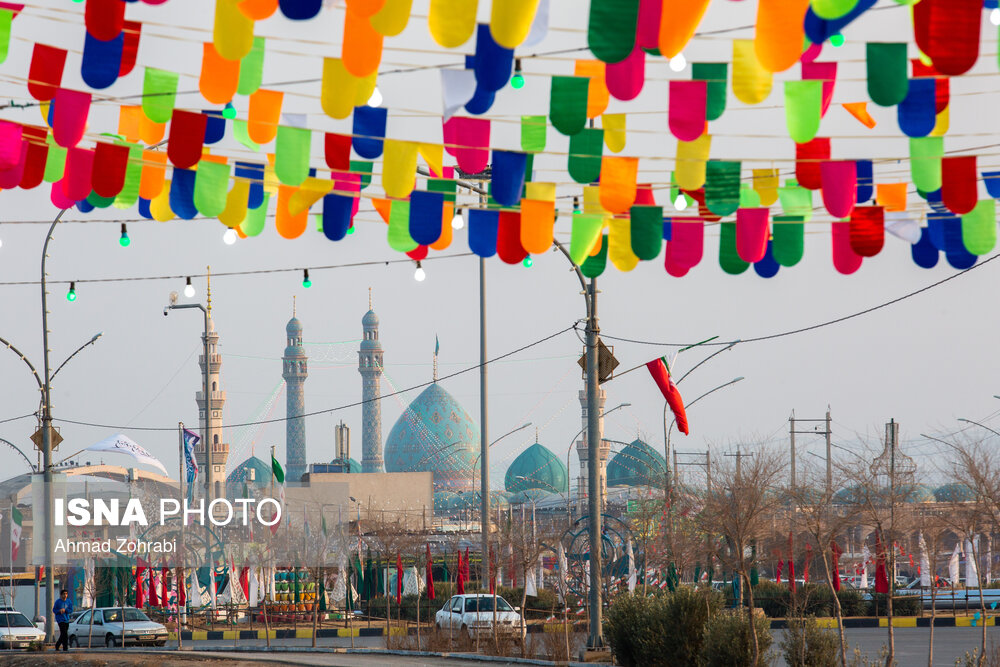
{"x": 106, "y": 629}
{"x": 16, "y": 631}
{"x": 473, "y": 615}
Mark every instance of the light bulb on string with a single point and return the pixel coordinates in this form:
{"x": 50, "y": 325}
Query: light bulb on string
{"x": 188, "y": 288}
{"x": 229, "y": 237}
{"x": 305, "y": 279}
{"x": 681, "y": 202}
{"x": 527, "y": 261}
{"x": 229, "y": 111}
{"x": 517, "y": 81}
{"x": 995, "y": 16}
{"x": 376, "y": 98}
{"x": 419, "y": 274}
{"x": 678, "y": 63}
{"x": 71, "y": 294}
{"x": 124, "y": 240}
{"x": 576, "y": 205}
{"x": 458, "y": 221}
{"x": 836, "y": 39}
{"x": 350, "y": 230}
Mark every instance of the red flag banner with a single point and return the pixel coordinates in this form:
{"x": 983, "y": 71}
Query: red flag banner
{"x": 430, "y": 574}
{"x": 835, "y": 548}
{"x": 661, "y": 376}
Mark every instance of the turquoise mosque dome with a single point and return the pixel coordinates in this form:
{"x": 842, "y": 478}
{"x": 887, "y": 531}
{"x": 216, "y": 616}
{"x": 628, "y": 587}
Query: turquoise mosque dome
{"x": 352, "y": 465}
{"x": 253, "y": 471}
{"x": 435, "y": 434}
{"x": 637, "y": 464}
{"x": 537, "y": 470}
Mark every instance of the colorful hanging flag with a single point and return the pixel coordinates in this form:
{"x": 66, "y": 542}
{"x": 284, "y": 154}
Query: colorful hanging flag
{"x": 190, "y": 461}
{"x": 16, "y": 521}
{"x": 430, "y": 574}
{"x": 661, "y": 376}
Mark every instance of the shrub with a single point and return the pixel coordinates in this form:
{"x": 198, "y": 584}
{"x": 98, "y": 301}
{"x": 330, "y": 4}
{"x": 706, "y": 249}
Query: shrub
{"x": 773, "y": 598}
{"x": 902, "y": 605}
{"x": 805, "y": 644}
{"x": 665, "y": 629}
{"x": 727, "y": 641}
{"x": 852, "y": 602}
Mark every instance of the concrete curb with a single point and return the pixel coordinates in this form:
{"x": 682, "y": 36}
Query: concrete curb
{"x": 353, "y": 651}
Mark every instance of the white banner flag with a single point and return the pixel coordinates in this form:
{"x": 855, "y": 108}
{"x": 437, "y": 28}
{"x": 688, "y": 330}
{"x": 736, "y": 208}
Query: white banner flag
{"x": 122, "y": 444}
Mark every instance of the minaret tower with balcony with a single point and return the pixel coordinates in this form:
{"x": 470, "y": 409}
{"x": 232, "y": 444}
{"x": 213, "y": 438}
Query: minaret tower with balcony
{"x": 214, "y": 467}
{"x": 294, "y": 371}
{"x": 370, "y": 367}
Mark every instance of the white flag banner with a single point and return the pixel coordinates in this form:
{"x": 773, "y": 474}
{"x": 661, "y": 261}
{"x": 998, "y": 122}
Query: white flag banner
{"x": 971, "y": 570}
{"x": 530, "y": 589}
{"x": 953, "y": 564}
{"x": 561, "y": 565}
{"x": 254, "y": 593}
{"x": 457, "y": 88}
{"x": 989, "y": 558}
{"x": 925, "y": 564}
{"x": 865, "y": 557}
{"x": 631, "y": 567}
{"x": 902, "y": 225}
{"x": 122, "y": 444}
{"x": 540, "y": 26}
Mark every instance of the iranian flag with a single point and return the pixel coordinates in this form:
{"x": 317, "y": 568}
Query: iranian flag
{"x": 15, "y": 532}
{"x": 278, "y": 473}
{"x": 660, "y": 371}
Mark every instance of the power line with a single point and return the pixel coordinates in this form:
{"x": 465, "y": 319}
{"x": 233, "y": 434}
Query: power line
{"x": 250, "y": 272}
{"x": 328, "y": 410}
{"x": 820, "y": 325}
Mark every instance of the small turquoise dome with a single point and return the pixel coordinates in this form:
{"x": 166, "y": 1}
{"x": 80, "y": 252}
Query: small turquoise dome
{"x": 638, "y": 464}
{"x": 370, "y": 319}
{"x": 434, "y": 434}
{"x": 293, "y": 326}
{"x": 954, "y": 493}
{"x": 352, "y": 465}
{"x": 537, "y": 468}
{"x": 253, "y": 471}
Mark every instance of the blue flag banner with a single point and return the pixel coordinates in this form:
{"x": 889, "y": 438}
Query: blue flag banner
{"x": 190, "y": 462}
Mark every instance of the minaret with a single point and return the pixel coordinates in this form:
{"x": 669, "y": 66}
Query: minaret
{"x": 582, "y": 450}
{"x": 370, "y": 367}
{"x": 294, "y": 371}
{"x": 214, "y": 470}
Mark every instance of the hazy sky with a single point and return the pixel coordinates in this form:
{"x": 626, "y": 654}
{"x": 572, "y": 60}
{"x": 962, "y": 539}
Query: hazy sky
{"x": 925, "y": 361}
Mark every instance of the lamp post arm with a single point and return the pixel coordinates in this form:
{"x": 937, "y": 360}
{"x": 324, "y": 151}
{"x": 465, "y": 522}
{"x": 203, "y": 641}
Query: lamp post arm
{"x": 89, "y": 342}
{"x": 969, "y": 421}
{"x": 17, "y": 449}
{"x": 34, "y": 372}
{"x": 579, "y": 273}
{"x": 717, "y": 352}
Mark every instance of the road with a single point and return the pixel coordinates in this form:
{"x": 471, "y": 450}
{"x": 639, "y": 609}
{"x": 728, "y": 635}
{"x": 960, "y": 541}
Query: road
{"x": 911, "y": 643}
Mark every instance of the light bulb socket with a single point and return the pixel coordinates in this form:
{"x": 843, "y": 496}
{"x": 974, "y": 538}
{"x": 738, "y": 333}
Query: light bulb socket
{"x": 576, "y": 204}
{"x": 517, "y": 65}
{"x": 124, "y": 240}
{"x": 71, "y": 294}
{"x": 305, "y": 279}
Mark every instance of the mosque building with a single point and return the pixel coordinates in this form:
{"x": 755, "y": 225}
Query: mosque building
{"x": 435, "y": 434}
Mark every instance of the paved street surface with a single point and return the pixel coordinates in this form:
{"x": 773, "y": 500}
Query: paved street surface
{"x": 911, "y": 643}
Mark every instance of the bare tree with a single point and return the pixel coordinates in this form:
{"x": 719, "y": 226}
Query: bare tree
{"x": 738, "y": 511}
{"x": 883, "y": 486}
{"x": 824, "y": 521}
{"x": 934, "y": 531}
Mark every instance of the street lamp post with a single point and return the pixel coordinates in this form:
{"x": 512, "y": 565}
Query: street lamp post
{"x": 672, "y": 423}
{"x": 969, "y": 421}
{"x": 207, "y": 422}
{"x": 44, "y": 383}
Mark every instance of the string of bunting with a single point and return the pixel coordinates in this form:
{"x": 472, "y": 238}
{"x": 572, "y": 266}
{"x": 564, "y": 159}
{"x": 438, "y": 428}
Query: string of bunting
{"x": 620, "y": 222}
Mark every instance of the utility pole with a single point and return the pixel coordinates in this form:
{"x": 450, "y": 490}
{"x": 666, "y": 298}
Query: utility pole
{"x": 707, "y": 465}
{"x": 596, "y": 639}
{"x": 828, "y": 432}
{"x": 739, "y": 460}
